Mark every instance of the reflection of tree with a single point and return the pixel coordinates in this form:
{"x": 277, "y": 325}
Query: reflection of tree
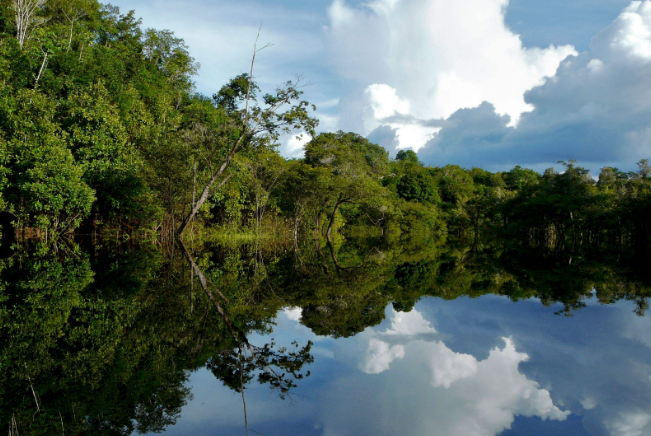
{"x": 104, "y": 343}
{"x": 73, "y": 356}
{"x": 279, "y": 368}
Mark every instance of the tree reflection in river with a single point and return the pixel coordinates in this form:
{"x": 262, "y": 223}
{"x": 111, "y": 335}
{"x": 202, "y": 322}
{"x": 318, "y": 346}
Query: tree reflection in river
{"x": 102, "y": 340}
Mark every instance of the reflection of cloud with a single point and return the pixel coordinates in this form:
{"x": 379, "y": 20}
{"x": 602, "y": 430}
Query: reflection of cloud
{"x": 408, "y": 324}
{"x": 295, "y": 313}
{"x": 447, "y": 366}
{"x": 456, "y": 393}
{"x": 596, "y": 362}
{"x": 379, "y": 356}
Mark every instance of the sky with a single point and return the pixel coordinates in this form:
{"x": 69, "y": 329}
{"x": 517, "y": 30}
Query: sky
{"x": 488, "y": 83}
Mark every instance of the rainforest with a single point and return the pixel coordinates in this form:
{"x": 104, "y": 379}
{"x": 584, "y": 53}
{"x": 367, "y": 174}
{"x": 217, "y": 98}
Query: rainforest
{"x": 164, "y": 268}
{"x": 102, "y": 130}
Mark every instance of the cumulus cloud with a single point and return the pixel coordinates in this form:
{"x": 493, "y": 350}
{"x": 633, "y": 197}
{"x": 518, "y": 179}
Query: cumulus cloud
{"x": 630, "y": 424}
{"x": 379, "y": 355}
{"x": 384, "y": 101}
{"x": 430, "y": 58}
{"x": 446, "y": 366}
{"x": 294, "y": 313}
{"x": 293, "y": 145}
{"x": 450, "y": 80}
{"x": 597, "y": 109}
{"x": 450, "y": 392}
{"x": 457, "y": 392}
{"x": 408, "y": 323}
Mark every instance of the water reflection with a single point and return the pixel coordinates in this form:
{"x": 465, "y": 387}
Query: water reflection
{"x": 118, "y": 339}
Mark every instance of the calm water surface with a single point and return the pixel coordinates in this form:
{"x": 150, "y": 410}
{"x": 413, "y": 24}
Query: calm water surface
{"x": 484, "y": 366}
{"x": 360, "y": 338}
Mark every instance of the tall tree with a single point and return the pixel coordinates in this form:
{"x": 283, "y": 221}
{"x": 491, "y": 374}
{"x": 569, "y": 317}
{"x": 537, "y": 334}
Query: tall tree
{"x": 282, "y": 112}
{"x": 357, "y": 166}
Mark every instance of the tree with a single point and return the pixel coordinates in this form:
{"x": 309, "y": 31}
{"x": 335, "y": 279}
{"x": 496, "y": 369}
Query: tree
{"x": 357, "y": 166}
{"x": 520, "y": 177}
{"x": 420, "y": 187}
{"x": 266, "y": 169}
{"x": 257, "y": 123}
{"x": 304, "y": 187}
{"x": 409, "y": 156}
{"x": 26, "y": 17}
{"x": 644, "y": 169}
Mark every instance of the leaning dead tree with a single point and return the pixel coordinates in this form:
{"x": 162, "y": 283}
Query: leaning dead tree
{"x": 26, "y": 19}
{"x": 282, "y": 112}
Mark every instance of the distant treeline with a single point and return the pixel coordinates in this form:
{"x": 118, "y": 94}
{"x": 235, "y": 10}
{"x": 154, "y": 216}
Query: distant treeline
{"x": 101, "y": 127}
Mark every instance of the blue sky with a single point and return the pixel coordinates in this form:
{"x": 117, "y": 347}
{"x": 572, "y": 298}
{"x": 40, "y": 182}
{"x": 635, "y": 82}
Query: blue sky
{"x": 490, "y": 83}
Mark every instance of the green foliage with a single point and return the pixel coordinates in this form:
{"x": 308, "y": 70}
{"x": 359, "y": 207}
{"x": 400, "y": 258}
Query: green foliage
{"x": 418, "y": 187}
{"x": 104, "y": 343}
{"x": 54, "y": 191}
{"x": 100, "y": 124}
{"x": 408, "y": 156}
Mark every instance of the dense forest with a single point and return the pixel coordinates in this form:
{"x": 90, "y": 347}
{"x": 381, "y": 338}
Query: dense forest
{"x": 101, "y": 129}
{"x": 103, "y": 132}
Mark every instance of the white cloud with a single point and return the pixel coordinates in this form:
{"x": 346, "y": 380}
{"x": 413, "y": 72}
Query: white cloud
{"x": 385, "y": 102}
{"x": 413, "y": 135}
{"x": 447, "y": 366}
{"x": 433, "y": 57}
{"x": 597, "y": 109}
{"x": 294, "y": 313}
{"x": 456, "y": 392}
{"x": 448, "y": 392}
{"x": 588, "y": 403}
{"x": 630, "y": 424}
{"x": 408, "y": 323}
{"x": 293, "y": 146}
{"x": 379, "y": 355}
{"x": 629, "y": 36}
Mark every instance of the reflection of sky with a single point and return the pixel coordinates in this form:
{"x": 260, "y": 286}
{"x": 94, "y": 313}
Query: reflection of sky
{"x": 479, "y": 367}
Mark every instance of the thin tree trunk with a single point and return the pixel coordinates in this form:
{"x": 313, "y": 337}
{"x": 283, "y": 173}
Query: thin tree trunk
{"x": 296, "y": 222}
{"x": 237, "y": 334}
{"x": 332, "y": 218}
{"x": 72, "y": 27}
{"x": 43, "y": 66}
{"x": 207, "y": 191}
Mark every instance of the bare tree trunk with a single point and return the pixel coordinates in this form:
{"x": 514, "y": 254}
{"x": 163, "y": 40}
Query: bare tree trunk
{"x": 72, "y": 28}
{"x": 297, "y": 219}
{"x": 332, "y": 218}
{"x": 239, "y": 144}
{"x": 237, "y": 334}
{"x": 207, "y": 191}
{"x": 24, "y": 11}
{"x": 73, "y": 19}
{"x": 43, "y": 66}
{"x": 257, "y": 213}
